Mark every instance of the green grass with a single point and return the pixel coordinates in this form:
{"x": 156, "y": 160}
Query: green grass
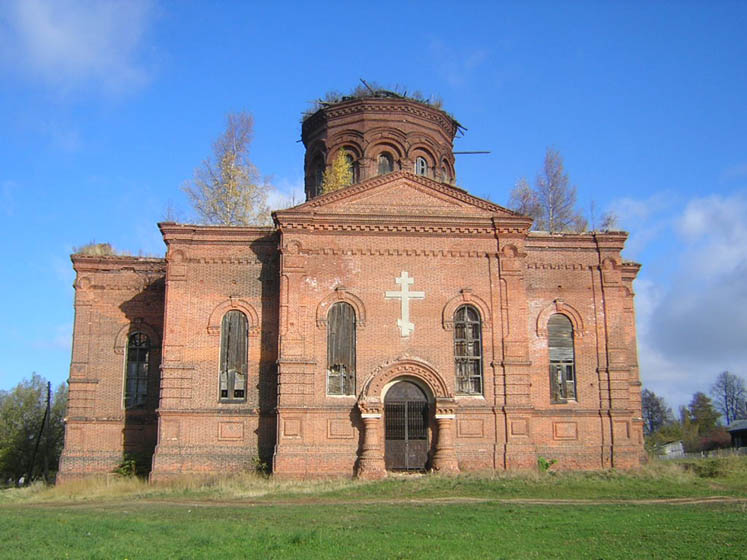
{"x": 489, "y": 515}
{"x": 482, "y": 530}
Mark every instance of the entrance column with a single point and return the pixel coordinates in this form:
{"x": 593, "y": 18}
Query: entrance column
{"x": 444, "y": 459}
{"x": 371, "y": 464}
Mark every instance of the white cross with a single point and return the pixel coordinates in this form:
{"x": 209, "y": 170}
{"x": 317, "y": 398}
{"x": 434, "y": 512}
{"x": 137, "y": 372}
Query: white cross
{"x": 404, "y": 324}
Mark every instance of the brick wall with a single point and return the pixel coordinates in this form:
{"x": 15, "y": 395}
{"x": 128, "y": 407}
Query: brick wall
{"x": 114, "y": 297}
{"x": 212, "y": 270}
{"x": 351, "y": 246}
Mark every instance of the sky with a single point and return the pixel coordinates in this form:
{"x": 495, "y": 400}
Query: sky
{"x": 106, "y": 109}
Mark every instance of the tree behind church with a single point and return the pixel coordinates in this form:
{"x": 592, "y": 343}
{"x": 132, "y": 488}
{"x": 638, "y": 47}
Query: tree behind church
{"x": 227, "y": 189}
{"x": 552, "y": 201}
{"x": 703, "y": 413}
{"x": 656, "y": 413}
{"x": 730, "y": 396}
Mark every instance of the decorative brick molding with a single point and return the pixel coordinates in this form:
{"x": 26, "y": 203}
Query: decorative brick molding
{"x": 559, "y": 306}
{"x": 224, "y": 307}
{"x": 404, "y": 367}
{"x": 138, "y": 325}
{"x": 465, "y": 297}
{"x": 344, "y": 295}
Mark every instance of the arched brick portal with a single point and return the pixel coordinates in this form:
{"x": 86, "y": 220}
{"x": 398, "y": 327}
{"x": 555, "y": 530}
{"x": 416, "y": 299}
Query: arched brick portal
{"x": 371, "y": 404}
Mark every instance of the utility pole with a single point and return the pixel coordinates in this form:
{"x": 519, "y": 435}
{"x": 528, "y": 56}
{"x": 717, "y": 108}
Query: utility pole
{"x": 44, "y": 424}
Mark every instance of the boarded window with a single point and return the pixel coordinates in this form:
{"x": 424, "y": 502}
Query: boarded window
{"x": 562, "y": 359}
{"x": 341, "y": 349}
{"x": 421, "y": 166}
{"x": 136, "y": 384}
{"x": 468, "y": 350}
{"x": 234, "y": 349}
{"x": 386, "y": 163}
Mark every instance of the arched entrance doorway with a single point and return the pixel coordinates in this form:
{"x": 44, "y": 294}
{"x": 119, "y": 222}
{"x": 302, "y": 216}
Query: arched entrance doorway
{"x": 406, "y": 419}
{"x": 434, "y": 398}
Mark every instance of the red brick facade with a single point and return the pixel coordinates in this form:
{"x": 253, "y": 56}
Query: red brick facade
{"x": 359, "y": 245}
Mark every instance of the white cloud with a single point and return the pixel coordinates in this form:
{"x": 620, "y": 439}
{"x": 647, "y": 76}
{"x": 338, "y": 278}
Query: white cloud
{"x": 72, "y": 43}
{"x": 693, "y": 327}
{"x": 646, "y": 220}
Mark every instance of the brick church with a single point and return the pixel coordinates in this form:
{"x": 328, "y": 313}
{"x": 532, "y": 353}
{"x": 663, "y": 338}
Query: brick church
{"x": 398, "y": 323}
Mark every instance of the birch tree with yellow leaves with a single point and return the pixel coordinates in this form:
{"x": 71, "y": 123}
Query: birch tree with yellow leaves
{"x": 339, "y": 174}
{"x": 228, "y": 189}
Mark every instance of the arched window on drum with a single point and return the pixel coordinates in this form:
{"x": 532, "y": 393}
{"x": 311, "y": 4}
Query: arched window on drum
{"x": 386, "y": 163}
{"x": 421, "y": 166}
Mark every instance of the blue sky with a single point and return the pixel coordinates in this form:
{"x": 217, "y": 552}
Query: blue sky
{"x": 107, "y": 108}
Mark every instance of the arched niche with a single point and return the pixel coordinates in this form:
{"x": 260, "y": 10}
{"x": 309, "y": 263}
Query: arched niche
{"x": 386, "y": 144}
{"x": 559, "y": 306}
{"x": 216, "y": 316}
{"x": 465, "y": 297}
{"x": 407, "y": 368}
{"x": 137, "y": 325}
{"x": 340, "y": 294}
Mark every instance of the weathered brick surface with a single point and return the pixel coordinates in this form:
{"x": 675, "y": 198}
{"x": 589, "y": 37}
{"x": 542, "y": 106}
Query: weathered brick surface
{"x": 351, "y": 245}
{"x": 114, "y": 296}
{"x": 212, "y": 270}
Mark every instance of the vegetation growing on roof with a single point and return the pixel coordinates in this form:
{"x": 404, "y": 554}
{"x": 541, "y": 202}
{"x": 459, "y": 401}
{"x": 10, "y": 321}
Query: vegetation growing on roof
{"x": 367, "y": 90}
{"x": 94, "y": 249}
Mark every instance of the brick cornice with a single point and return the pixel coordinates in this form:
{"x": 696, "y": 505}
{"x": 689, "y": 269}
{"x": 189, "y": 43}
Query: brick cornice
{"x": 385, "y": 107}
{"x": 356, "y": 224}
{"x": 394, "y": 252}
{"x": 611, "y": 241}
{"x": 86, "y": 263}
{"x": 191, "y": 233}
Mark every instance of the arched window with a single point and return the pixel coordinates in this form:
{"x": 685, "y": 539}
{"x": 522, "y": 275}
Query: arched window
{"x": 317, "y": 174}
{"x": 468, "y": 350}
{"x": 562, "y": 359}
{"x": 341, "y": 349}
{"x": 421, "y": 166}
{"x": 353, "y": 165}
{"x": 234, "y": 349}
{"x": 446, "y": 175}
{"x": 136, "y": 384}
{"x": 386, "y": 163}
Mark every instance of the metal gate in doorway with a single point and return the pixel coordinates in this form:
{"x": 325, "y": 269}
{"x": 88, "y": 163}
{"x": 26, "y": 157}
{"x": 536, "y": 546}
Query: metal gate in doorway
{"x": 406, "y": 427}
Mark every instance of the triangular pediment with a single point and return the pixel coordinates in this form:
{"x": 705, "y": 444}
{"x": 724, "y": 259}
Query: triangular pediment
{"x": 402, "y": 193}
